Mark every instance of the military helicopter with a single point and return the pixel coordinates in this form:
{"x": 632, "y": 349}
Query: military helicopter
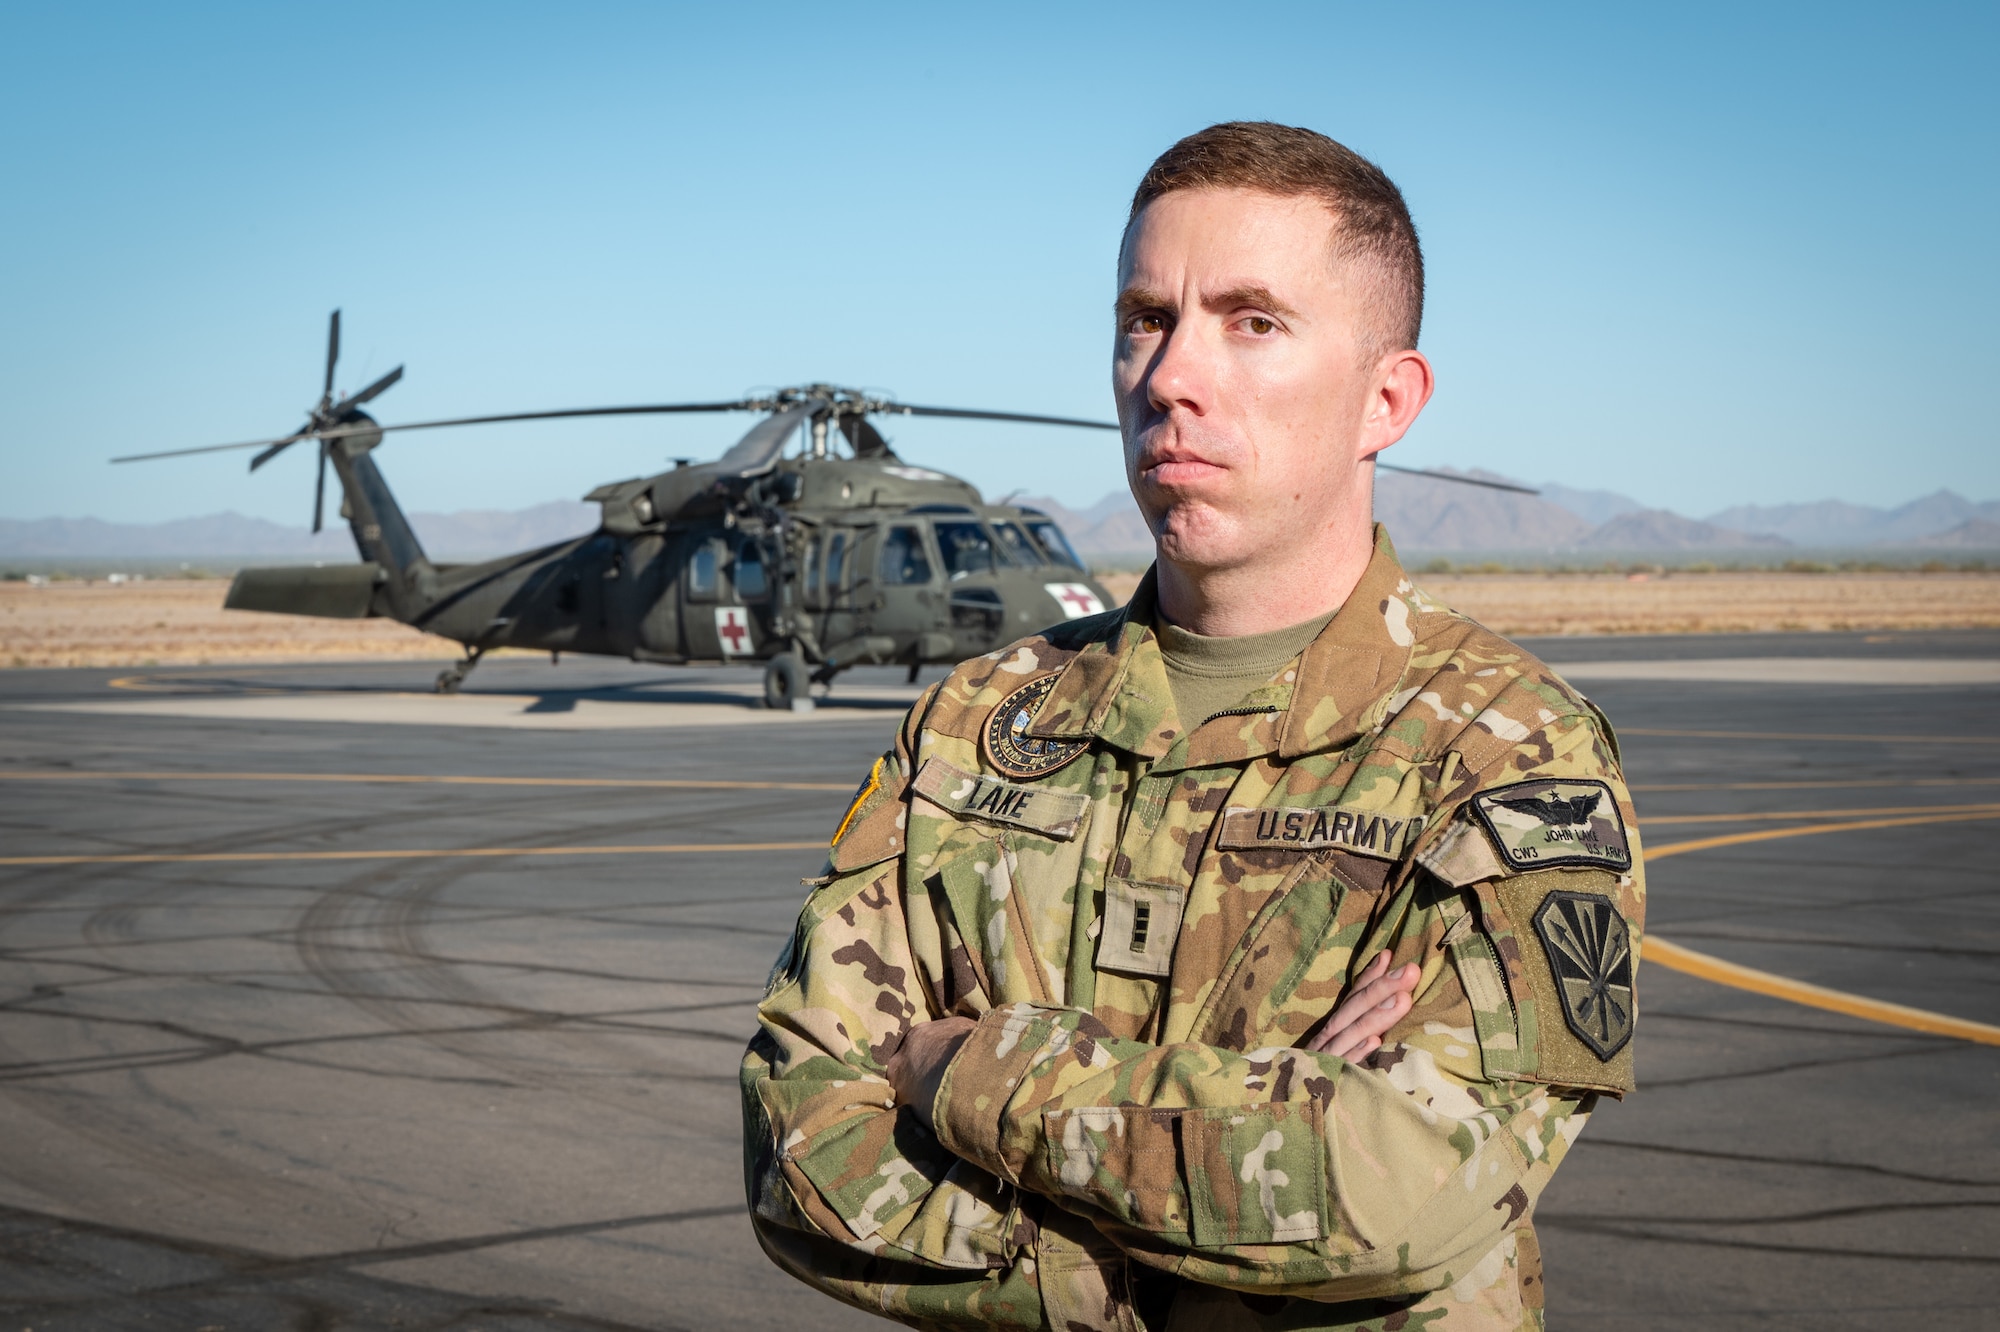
{"x": 810, "y": 563}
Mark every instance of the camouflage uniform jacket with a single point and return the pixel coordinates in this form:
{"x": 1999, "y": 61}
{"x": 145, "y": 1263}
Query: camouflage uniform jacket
{"x": 1146, "y": 919}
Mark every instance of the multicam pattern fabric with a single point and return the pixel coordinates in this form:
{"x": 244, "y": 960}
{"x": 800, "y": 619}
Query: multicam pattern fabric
{"x": 1133, "y": 1136}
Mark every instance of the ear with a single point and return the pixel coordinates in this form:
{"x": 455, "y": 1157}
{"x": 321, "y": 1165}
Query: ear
{"x": 1402, "y": 385}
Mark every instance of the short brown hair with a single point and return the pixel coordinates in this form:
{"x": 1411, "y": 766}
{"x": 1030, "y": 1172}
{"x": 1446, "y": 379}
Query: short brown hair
{"x": 1372, "y": 224}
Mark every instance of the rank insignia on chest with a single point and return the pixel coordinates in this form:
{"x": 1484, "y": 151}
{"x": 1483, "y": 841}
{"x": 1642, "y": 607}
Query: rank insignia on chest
{"x": 1549, "y": 823}
{"x": 1011, "y": 749}
{"x": 1589, "y": 948}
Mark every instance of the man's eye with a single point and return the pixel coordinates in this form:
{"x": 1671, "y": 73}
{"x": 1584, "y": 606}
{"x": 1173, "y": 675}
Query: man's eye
{"x": 1260, "y": 325}
{"x": 1149, "y": 323}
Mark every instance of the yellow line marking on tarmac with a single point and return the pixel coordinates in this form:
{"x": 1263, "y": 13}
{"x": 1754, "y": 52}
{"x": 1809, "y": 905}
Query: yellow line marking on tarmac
{"x": 1667, "y": 953}
{"x": 1774, "y": 834}
{"x": 421, "y": 853}
{"x": 1776, "y": 817}
{"x": 418, "y": 779}
{"x": 1816, "y": 735}
{"x": 1674, "y": 957}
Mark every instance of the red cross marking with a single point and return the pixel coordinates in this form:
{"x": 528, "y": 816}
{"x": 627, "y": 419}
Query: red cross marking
{"x": 1078, "y": 597}
{"x": 732, "y": 631}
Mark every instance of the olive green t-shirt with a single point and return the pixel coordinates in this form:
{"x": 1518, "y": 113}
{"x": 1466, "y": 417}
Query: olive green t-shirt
{"x": 1211, "y": 675}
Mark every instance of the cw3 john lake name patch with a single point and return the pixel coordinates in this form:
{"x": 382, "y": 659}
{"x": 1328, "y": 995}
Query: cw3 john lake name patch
{"x": 1553, "y": 822}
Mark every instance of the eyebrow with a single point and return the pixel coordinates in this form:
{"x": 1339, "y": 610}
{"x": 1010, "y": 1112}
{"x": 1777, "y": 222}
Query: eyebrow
{"x": 1253, "y": 294}
{"x": 1135, "y": 299}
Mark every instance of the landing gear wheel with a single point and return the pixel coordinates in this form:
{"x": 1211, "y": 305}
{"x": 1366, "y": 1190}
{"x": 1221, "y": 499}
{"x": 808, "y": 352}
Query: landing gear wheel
{"x": 786, "y": 684}
{"x": 451, "y": 678}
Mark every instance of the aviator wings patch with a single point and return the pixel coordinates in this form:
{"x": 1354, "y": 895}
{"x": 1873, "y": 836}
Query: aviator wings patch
{"x": 1554, "y": 822}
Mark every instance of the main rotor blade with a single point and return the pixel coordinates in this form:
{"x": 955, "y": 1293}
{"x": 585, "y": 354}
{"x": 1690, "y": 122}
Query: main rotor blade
{"x": 905, "y": 409}
{"x": 332, "y": 353}
{"x": 1462, "y": 480}
{"x": 339, "y": 432}
{"x": 759, "y": 449}
{"x": 319, "y": 490}
{"x": 373, "y": 389}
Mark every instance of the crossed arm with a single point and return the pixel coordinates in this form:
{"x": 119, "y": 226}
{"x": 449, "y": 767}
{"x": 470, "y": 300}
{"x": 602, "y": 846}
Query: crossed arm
{"x": 1371, "y": 1007}
{"x": 901, "y": 1137}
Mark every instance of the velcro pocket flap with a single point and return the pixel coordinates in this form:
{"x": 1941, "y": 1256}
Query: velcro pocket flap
{"x": 1256, "y": 1173}
{"x": 871, "y": 1168}
{"x": 1046, "y": 810}
{"x": 1124, "y": 1160}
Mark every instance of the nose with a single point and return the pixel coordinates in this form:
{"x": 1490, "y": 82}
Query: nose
{"x": 1182, "y": 374}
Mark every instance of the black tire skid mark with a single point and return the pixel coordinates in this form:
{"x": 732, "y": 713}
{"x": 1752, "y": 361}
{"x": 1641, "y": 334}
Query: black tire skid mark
{"x": 398, "y": 925}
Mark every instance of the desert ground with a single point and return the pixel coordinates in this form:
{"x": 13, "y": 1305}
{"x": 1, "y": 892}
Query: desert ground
{"x": 181, "y": 621}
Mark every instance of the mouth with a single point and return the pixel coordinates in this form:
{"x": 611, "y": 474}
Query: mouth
{"x": 1179, "y": 473}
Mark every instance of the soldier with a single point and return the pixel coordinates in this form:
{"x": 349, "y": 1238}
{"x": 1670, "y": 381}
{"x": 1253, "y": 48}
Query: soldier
{"x": 1057, "y": 1041}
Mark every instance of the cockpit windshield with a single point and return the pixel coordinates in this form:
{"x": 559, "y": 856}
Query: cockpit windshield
{"x": 1014, "y": 544}
{"x": 1054, "y": 542}
{"x": 966, "y": 548}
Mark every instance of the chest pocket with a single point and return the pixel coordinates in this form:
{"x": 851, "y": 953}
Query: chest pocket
{"x": 1003, "y": 878}
{"x": 1292, "y": 963}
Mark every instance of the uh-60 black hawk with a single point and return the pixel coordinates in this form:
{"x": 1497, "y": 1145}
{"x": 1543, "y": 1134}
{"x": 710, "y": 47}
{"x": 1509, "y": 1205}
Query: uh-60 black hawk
{"x": 809, "y": 563}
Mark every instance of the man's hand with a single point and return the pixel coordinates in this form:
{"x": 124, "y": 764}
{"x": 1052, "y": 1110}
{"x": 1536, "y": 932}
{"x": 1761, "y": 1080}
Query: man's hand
{"x": 917, "y": 1067}
{"x": 1377, "y": 1002}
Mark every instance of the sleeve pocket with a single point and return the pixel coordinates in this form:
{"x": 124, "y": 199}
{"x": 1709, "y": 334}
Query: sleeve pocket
{"x": 1256, "y": 1173}
{"x": 872, "y": 1167}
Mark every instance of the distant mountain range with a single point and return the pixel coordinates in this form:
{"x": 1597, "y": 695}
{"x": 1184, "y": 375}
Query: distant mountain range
{"x": 468, "y": 534}
{"x": 1439, "y": 516}
{"x": 1422, "y": 515}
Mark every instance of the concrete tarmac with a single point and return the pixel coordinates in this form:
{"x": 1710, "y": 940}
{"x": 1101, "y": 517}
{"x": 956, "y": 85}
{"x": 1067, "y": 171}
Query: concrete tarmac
{"x": 302, "y": 1064}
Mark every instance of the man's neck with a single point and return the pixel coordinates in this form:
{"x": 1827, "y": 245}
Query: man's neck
{"x": 1262, "y": 597}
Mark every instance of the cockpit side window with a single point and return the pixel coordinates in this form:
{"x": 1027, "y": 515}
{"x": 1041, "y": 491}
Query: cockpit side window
{"x": 967, "y": 549}
{"x": 1015, "y": 546}
{"x": 903, "y": 558}
{"x": 1054, "y": 542}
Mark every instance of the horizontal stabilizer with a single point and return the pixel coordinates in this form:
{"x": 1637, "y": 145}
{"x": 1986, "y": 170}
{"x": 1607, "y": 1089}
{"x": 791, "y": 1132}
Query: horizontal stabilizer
{"x": 332, "y": 591}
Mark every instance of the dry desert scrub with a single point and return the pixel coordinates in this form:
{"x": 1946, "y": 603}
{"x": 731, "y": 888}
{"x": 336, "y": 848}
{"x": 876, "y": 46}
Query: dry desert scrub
{"x": 181, "y": 622}
{"x": 1694, "y": 603}
{"x": 1714, "y": 603}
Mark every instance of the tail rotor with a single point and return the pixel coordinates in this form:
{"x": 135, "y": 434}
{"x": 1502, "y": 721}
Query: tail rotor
{"x": 329, "y": 413}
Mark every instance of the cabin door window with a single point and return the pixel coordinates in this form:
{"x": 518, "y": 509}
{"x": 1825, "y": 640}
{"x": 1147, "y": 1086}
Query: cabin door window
{"x": 905, "y": 562}
{"x": 704, "y": 565}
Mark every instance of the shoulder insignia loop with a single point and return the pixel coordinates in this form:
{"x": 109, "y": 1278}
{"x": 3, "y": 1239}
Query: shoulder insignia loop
{"x": 1011, "y": 749}
{"x": 1589, "y": 948}
{"x": 1547, "y": 823}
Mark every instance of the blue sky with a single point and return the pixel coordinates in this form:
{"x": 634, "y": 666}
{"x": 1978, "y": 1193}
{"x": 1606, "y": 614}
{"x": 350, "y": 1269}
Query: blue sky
{"x": 1703, "y": 255}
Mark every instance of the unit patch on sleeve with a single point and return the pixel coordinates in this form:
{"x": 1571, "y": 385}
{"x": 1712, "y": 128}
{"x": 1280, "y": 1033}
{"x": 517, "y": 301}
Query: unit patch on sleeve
{"x": 1011, "y": 749}
{"x": 1369, "y": 832}
{"x": 1548, "y": 823}
{"x": 1046, "y": 811}
{"x": 1589, "y": 948}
